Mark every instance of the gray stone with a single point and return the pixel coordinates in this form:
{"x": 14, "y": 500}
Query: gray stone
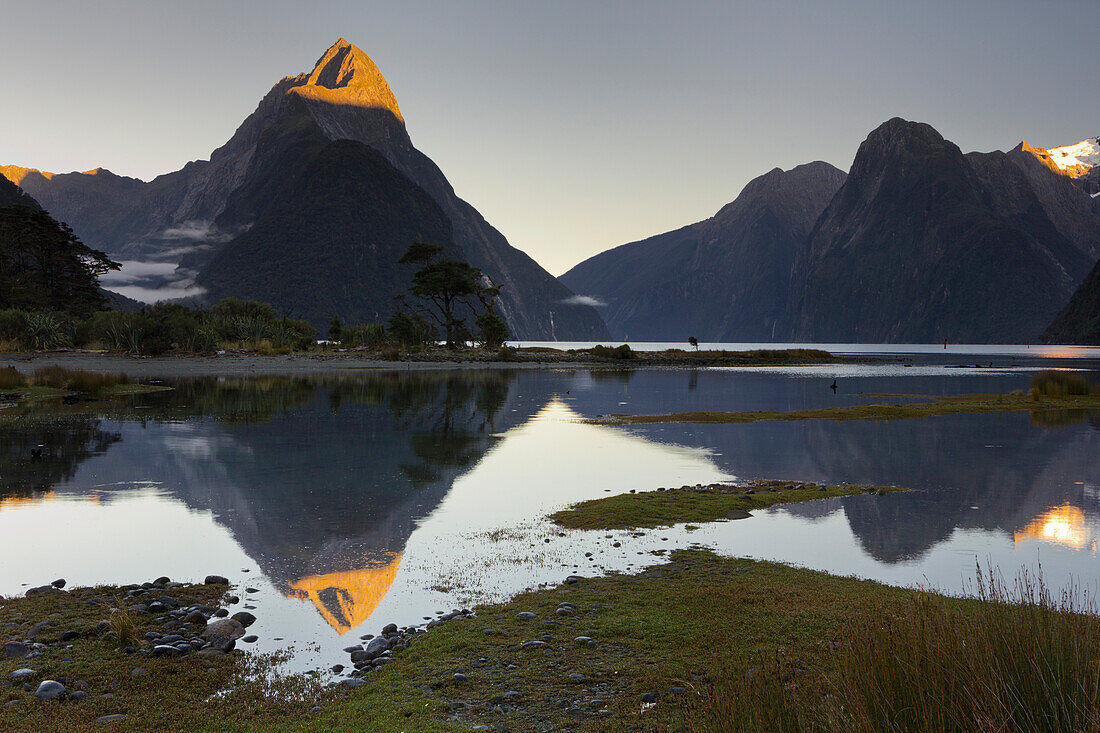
{"x": 244, "y": 618}
{"x": 459, "y": 677}
{"x": 223, "y": 633}
{"x": 353, "y": 682}
{"x": 377, "y": 645}
{"x": 77, "y": 696}
{"x": 196, "y": 617}
{"x": 527, "y": 615}
{"x": 211, "y": 652}
{"x": 250, "y": 638}
{"x": 389, "y": 629}
{"x": 216, "y": 580}
{"x": 16, "y": 650}
{"x": 59, "y": 583}
{"x": 43, "y": 590}
{"x": 576, "y": 677}
{"x": 139, "y": 672}
{"x": 533, "y": 644}
{"x": 111, "y": 718}
{"x": 22, "y": 674}
{"x": 165, "y": 650}
{"x": 50, "y": 690}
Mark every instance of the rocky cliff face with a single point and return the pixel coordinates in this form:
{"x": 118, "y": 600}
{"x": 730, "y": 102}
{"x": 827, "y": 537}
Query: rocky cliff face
{"x": 722, "y": 279}
{"x": 206, "y": 203}
{"x": 13, "y": 195}
{"x": 922, "y": 244}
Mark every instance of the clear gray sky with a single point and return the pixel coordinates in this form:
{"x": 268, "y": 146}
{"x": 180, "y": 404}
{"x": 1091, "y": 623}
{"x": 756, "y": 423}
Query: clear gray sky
{"x": 572, "y": 126}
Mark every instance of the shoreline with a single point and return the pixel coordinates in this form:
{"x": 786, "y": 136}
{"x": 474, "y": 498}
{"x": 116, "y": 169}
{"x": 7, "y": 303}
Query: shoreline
{"x": 239, "y": 364}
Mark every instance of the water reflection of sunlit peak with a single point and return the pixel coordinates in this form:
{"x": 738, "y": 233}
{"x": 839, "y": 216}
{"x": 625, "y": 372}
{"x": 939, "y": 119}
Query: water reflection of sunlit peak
{"x": 20, "y": 502}
{"x": 347, "y": 598}
{"x": 1064, "y": 525}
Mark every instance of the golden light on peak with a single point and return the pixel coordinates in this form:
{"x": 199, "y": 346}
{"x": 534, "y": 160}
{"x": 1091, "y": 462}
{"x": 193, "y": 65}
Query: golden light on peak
{"x": 1064, "y": 525}
{"x": 347, "y": 598}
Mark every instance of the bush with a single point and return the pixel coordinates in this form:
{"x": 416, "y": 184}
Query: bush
{"x": 412, "y": 329}
{"x": 13, "y": 327}
{"x": 46, "y": 330}
{"x": 371, "y": 335}
{"x": 607, "y": 352}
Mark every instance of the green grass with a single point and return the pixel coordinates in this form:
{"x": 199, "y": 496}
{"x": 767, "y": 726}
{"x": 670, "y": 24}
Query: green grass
{"x": 695, "y": 504}
{"x": 175, "y": 694}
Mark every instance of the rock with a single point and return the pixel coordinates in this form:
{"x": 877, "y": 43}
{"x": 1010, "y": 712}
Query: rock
{"x": 251, "y": 590}
{"x": 59, "y": 583}
{"x": 50, "y": 690}
{"x": 337, "y": 668}
{"x": 77, "y": 696}
{"x": 356, "y": 648}
{"x": 573, "y": 579}
{"x": 250, "y": 638}
{"x": 22, "y": 674}
{"x": 533, "y": 644}
{"x": 220, "y": 613}
{"x": 377, "y": 645}
{"x": 649, "y": 697}
{"x": 111, "y": 718}
{"x": 16, "y": 650}
{"x": 527, "y": 615}
{"x": 389, "y": 629}
{"x": 577, "y": 677}
{"x": 162, "y": 581}
{"x": 139, "y": 672}
{"x": 244, "y": 618}
{"x": 221, "y": 632}
{"x": 211, "y": 651}
{"x": 353, "y": 682}
{"x": 69, "y": 635}
{"x": 39, "y": 627}
{"x": 195, "y": 617}
{"x": 676, "y": 690}
{"x": 216, "y": 580}
{"x": 165, "y": 650}
{"x": 360, "y": 656}
{"x": 43, "y": 590}
{"x": 459, "y": 677}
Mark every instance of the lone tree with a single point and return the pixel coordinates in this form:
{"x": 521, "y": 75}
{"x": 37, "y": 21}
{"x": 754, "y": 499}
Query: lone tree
{"x": 446, "y": 286}
{"x": 45, "y": 266}
{"x": 694, "y": 342}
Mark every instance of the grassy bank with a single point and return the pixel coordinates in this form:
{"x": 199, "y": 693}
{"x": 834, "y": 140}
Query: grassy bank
{"x": 665, "y": 507}
{"x": 703, "y": 642}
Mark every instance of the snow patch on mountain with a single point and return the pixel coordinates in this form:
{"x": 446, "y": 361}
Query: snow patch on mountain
{"x": 1084, "y": 154}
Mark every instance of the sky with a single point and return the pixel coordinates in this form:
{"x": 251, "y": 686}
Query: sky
{"x": 572, "y": 127}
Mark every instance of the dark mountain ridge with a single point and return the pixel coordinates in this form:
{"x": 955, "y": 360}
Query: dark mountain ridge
{"x": 722, "y": 279}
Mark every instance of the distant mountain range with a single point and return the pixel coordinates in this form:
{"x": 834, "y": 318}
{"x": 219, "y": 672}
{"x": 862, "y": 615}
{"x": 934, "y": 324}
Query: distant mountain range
{"x": 201, "y": 216}
{"x": 919, "y": 243}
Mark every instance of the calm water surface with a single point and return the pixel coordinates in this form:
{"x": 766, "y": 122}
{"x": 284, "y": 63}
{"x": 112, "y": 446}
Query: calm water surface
{"x": 352, "y": 502}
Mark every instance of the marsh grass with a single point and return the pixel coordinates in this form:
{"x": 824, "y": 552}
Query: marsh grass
{"x": 1061, "y": 384}
{"x": 124, "y": 626}
{"x": 11, "y": 378}
{"x": 76, "y": 380}
{"x": 1014, "y": 658}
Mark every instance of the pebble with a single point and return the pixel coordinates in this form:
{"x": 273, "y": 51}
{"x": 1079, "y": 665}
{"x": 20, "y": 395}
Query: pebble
{"x": 250, "y": 638}
{"x": 111, "y": 718}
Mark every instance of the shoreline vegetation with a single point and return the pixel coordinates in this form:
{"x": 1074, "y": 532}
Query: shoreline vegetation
{"x": 1051, "y": 392}
{"x": 697, "y": 504}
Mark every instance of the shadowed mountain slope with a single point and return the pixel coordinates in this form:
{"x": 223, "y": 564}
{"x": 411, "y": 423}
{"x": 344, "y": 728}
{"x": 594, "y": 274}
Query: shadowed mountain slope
{"x": 722, "y": 279}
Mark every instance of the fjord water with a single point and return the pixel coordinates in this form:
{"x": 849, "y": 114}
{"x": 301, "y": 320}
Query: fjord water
{"x": 349, "y": 502}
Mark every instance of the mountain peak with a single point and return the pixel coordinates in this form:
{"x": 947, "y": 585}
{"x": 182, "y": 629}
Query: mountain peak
{"x": 1069, "y": 160}
{"x": 345, "y": 75}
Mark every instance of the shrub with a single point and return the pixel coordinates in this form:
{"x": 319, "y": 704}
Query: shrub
{"x": 46, "y": 330}
{"x": 13, "y": 326}
{"x": 412, "y": 329}
{"x": 607, "y": 352}
{"x": 371, "y": 335}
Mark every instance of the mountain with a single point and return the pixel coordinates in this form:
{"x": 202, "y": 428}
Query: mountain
{"x": 922, "y": 244}
{"x": 12, "y": 195}
{"x": 356, "y": 214}
{"x": 1079, "y": 321}
{"x": 722, "y": 279}
{"x": 191, "y": 214}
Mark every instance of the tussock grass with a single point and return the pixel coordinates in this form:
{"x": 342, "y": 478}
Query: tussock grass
{"x": 1014, "y": 659}
{"x": 11, "y": 378}
{"x": 1061, "y": 384}
{"x": 76, "y": 380}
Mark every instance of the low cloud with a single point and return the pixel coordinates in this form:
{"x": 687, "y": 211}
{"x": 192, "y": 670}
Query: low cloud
{"x": 195, "y": 231}
{"x": 133, "y": 271}
{"x": 584, "y": 300}
{"x": 154, "y": 295}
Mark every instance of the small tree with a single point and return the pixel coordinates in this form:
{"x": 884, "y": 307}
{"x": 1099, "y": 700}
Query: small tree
{"x": 694, "y": 342}
{"x": 447, "y": 285}
{"x": 335, "y": 328}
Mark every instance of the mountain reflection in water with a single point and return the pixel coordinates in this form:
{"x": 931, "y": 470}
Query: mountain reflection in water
{"x": 323, "y": 481}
